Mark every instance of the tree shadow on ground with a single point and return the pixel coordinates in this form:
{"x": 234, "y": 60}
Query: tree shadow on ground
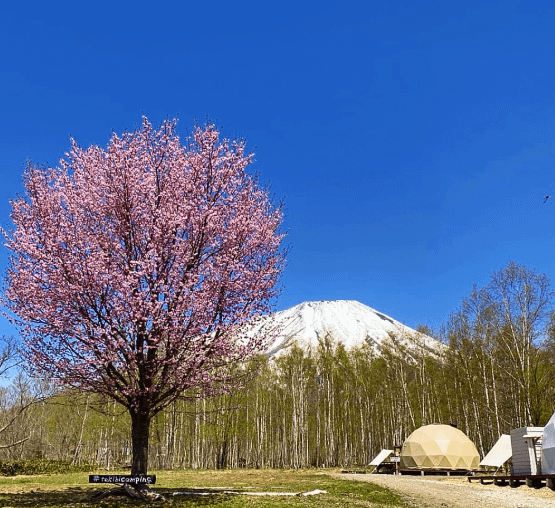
{"x": 83, "y": 498}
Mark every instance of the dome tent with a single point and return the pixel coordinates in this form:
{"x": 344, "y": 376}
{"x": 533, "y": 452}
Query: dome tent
{"x": 438, "y": 447}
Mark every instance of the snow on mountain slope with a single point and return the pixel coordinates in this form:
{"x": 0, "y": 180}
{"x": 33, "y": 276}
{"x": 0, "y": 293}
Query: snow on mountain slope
{"x": 346, "y": 321}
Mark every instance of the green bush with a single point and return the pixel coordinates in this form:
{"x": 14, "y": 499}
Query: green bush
{"x": 40, "y": 466}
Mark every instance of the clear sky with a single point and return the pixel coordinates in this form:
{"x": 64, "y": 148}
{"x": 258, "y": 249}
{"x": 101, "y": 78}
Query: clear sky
{"x": 412, "y": 142}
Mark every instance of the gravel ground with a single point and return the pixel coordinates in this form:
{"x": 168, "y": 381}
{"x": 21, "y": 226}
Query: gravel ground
{"x": 457, "y": 492}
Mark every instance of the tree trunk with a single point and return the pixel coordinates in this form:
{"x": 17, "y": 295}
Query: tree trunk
{"x": 140, "y": 425}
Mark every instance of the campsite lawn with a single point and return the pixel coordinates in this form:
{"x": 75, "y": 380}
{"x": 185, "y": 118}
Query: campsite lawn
{"x": 74, "y": 490}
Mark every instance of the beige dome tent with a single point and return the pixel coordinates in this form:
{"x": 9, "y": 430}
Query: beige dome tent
{"x": 438, "y": 447}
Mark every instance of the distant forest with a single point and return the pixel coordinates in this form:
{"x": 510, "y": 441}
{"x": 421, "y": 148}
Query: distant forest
{"x": 328, "y": 407}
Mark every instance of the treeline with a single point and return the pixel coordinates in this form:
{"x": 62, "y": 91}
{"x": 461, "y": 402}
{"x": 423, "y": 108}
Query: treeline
{"x": 327, "y": 407}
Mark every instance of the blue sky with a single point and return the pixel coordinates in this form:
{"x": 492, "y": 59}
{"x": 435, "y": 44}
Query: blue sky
{"x": 411, "y": 142}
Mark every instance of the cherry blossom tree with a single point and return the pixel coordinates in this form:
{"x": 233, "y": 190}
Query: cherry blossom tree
{"x": 137, "y": 270}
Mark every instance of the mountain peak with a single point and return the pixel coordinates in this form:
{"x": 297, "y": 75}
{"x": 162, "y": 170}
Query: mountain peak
{"x": 346, "y": 321}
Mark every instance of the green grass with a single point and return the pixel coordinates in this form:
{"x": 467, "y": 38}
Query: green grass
{"x": 73, "y": 490}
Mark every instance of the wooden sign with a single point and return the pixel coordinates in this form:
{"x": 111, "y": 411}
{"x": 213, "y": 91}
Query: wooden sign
{"x": 149, "y": 479}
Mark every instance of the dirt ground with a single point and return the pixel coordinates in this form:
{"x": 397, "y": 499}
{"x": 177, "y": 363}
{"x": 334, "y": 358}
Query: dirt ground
{"x": 457, "y": 492}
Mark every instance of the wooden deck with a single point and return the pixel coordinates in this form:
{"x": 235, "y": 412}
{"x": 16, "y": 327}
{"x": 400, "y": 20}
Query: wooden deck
{"x": 532, "y": 480}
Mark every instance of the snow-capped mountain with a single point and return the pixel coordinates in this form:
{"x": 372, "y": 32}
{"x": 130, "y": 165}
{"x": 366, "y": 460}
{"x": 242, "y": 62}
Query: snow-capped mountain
{"x": 346, "y": 321}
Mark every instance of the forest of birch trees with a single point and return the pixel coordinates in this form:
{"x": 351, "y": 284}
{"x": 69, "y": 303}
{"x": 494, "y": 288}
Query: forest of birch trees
{"x": 329, "y": 406}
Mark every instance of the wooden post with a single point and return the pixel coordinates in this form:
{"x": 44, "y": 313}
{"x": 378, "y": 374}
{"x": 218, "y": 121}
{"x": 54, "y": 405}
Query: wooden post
{"x": 397, "y": 455}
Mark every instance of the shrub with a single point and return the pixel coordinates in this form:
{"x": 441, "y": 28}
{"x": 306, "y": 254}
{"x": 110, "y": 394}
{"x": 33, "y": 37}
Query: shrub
{"x": 40, "y": 466}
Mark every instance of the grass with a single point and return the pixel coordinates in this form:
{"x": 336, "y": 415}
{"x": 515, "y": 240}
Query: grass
{"x": 73, "y": 490}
